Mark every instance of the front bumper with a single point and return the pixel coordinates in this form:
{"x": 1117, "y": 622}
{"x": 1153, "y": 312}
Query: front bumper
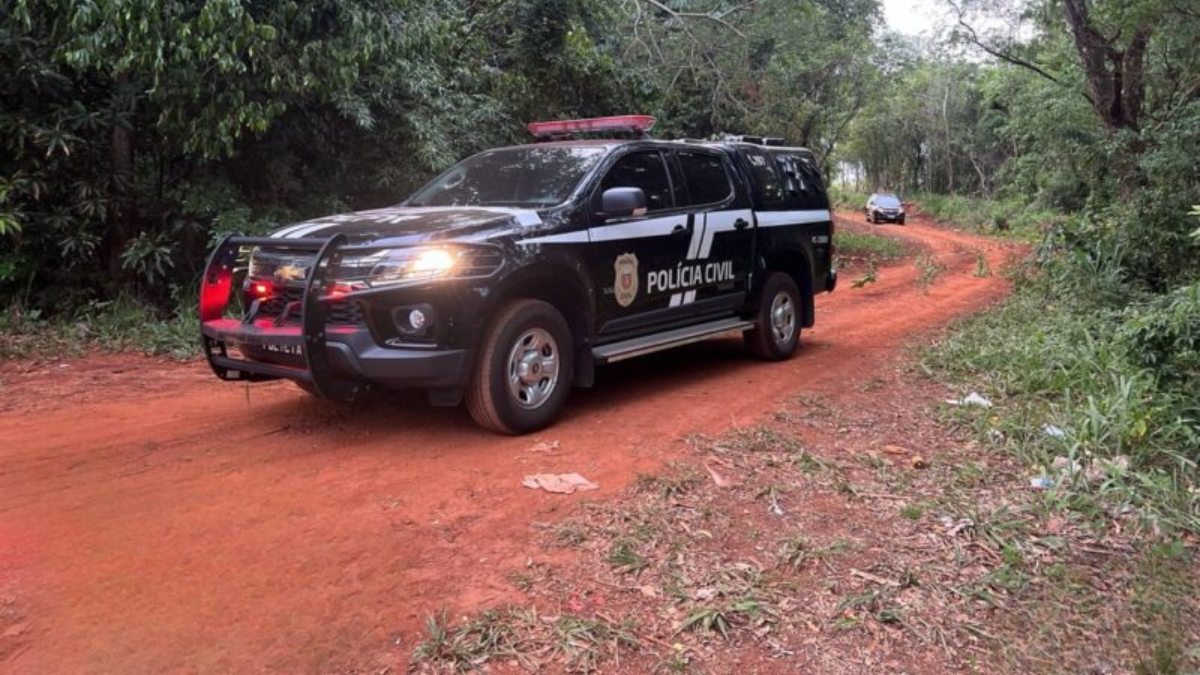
{"x": 336, "y": 361}
{"x": 888, "y": 217}
{"x": 268, "y": 351}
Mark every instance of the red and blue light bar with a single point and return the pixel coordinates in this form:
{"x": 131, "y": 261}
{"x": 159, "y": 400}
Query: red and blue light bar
{"x": 637, "y": 125}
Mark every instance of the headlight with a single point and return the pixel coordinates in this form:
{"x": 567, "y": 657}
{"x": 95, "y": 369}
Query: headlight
{"x": 420, "y": 264}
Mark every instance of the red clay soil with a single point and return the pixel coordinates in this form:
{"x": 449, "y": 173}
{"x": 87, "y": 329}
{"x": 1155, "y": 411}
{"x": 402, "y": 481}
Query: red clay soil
{"x": 154, "y": 519}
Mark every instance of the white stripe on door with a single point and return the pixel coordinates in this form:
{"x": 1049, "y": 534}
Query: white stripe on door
{"x": 785, "y": 218}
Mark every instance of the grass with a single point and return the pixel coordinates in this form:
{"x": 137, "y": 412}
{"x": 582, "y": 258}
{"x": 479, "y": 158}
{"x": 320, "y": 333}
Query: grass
{"x": 1003, "y": 217}
{"x": 870, "y": 246}
{"x": 625, "y": 559}
{"x": 578, "y": 643}
{"x": 124, "y": 324}
{"x": 669, "y": 485}
{"x": 912, "y": 511}
{"x": 1072, "y": 364}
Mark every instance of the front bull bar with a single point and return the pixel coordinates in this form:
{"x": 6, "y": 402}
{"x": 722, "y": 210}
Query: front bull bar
{"x": 216, "y": 290}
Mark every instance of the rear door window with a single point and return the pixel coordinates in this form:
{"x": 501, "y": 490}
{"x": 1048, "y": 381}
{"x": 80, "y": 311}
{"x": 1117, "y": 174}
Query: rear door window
{"x": 706, "y": 177}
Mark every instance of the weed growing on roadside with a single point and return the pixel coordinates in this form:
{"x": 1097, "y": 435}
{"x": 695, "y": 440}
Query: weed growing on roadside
{"x": 982, "y": 270}
{"x": 625, "y": 559}
{"x": 521, "y": 635}
{"x": 679, "y": 483}
{"x": 868, "y": 277}
{"x": 929, "y": 269}
{"x": 912, "y": 511}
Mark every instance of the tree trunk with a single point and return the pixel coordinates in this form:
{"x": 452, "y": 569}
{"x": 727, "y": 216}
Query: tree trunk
{"x": 1114, "y": 76}
{"x": 124, "y": 210}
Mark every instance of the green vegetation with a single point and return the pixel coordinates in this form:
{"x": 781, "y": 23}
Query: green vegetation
{"x": 1080, "y": 137}
{"x": 121, "y": 324}
{"x": 1118, "y": 380}
{"x": 867, "y": 245}
{"x": 576, "y": 643}
{"x": 1015, "y": 216}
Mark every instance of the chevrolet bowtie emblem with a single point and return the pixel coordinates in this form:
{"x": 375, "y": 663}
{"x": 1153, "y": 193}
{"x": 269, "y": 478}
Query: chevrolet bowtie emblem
{"x": 290, "y": 273}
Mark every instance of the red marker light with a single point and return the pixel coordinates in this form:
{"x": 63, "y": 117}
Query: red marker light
{"x": 260, "y": 289}
{"x": 340, "y": 289}
{"x": 638, "y": 124}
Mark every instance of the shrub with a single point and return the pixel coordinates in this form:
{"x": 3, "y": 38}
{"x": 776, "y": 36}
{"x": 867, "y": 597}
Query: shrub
{"x": 1164, "y": 335}
{"x": 1115, "y": 371}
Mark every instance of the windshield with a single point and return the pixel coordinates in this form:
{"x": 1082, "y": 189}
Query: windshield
{"x": 530, "y": 177}
{"x": 887, "y": 201}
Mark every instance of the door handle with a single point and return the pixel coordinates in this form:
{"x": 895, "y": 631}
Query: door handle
{"x": 679, "y": 229}
{"x": 741, "y": 224}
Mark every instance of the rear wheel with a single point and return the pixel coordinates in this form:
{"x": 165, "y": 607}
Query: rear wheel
{"x": 777, "y": 322}
{"x": 525, "y": 369}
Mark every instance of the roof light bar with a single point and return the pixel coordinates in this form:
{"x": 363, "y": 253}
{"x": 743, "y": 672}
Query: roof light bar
{"x": 638, "y": 125}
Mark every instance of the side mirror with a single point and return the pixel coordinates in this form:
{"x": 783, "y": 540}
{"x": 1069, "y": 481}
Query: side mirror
{"x": 621, "y": 202}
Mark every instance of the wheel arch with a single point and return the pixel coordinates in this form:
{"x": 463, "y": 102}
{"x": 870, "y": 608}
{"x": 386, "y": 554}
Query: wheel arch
{"x": 795, "y": 263}
{"x": 563, "y": 288}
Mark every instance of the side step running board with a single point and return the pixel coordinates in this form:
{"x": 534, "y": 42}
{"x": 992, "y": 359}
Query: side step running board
{"x": 648, "y": 344}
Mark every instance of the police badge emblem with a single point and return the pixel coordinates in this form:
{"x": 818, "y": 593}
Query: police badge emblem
{"x": 625, "y": 285}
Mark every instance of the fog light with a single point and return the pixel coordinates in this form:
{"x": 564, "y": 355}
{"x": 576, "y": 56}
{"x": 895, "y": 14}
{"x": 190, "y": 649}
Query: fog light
{"x": 417, "y": 319}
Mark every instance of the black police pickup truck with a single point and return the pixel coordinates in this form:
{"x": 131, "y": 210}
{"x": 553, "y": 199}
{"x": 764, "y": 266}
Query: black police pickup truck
{"x": 509, "y": 277}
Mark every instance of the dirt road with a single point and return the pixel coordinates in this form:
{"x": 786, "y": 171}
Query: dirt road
{"x": 153, "y": 519}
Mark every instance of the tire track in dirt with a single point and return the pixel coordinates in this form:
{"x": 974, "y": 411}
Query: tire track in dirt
{"x": 158, "y": 520}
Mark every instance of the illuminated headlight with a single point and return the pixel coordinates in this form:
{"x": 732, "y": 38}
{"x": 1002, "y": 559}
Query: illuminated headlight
{"x": 419, "y": 264}
{"x": 401, "y": 265}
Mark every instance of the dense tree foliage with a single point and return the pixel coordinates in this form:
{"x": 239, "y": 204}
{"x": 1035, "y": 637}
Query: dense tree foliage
{"x": 1092, "y": 108}
{"x": 136, "y": 130}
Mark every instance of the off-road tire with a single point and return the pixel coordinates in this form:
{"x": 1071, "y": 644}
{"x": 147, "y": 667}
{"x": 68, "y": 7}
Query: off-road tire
{"x": 489, "y": 397}
{"x": 901, "y": 221}
{"x": 762, "y": 340}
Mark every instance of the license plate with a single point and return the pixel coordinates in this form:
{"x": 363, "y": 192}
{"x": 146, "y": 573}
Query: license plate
{"x": 286, "y": 350}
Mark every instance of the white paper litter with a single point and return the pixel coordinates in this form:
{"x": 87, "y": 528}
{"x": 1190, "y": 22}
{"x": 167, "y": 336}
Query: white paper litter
{"x": 558, "y": 483}
{"x": 971, "y": 399}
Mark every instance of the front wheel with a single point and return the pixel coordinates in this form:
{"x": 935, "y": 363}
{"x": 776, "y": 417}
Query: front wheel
{"x": 525, "y": 369}
{"x": 776, "y": 331}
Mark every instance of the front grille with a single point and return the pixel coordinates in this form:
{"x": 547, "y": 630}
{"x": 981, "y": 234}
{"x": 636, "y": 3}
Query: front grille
{"x": 287, "y": 272}
{"x": 276, "y": 267}
{"x": 341, "y": 312}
